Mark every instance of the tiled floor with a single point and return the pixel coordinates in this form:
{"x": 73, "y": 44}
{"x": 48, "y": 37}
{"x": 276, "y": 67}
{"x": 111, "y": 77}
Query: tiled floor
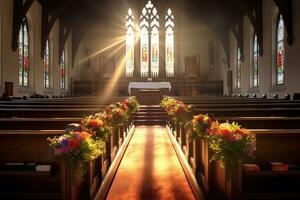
{"x": 150, "y": 169}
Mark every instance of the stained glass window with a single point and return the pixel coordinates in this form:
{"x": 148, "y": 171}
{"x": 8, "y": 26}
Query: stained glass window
{"x": 63, "y": 71}
{"x": 129, "y": 44}
{"x": 255, "y": 59}
{"x": 46, "y": 62}
{"x": 149, "y": 23}
{"x": 23, "y": 43}
{"x": 238, "y": 69}
{"x": 169, "y": 44}
{"x": 154, "y": 43}
{"x": 149, "y": 42}
{"x": 280, "y": 51}
{"x": 144, "y": 26}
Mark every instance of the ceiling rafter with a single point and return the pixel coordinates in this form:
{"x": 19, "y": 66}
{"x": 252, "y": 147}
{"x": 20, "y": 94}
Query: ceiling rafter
{"x": 20, "y": 10}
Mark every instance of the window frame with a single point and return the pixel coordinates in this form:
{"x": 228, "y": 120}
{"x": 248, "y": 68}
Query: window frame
{"x": 255, "y": 64}
{"x": 48, "y": 55}
{"x": 21, "y": 75}
{"x": 277, "y": 42}
{"x": 62, "y": 66}
{"x": 238, "y": 69}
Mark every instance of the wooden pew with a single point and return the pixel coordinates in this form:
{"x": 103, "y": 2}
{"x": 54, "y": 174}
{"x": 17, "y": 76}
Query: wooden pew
{"x": 272, "y": 146}
{"x": 250, "y": 112}
{"x": 37, "y": 123}
{"x": 31, "y": 146}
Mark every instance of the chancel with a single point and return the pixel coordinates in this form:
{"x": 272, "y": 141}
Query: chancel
{"x": 150, "y": 99}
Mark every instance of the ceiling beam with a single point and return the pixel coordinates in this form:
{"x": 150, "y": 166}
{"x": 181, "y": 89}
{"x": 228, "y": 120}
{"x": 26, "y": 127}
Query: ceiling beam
{"x": 19, "y": 12}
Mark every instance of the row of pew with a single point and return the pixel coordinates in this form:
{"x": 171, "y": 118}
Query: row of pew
{"x": 277, "y": 129}
{"x": 25, "y": 126}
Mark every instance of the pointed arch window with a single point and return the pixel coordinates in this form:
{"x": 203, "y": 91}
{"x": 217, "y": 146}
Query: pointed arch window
{"x": 46, "y": 64}
{"x": 23, "y": 44}
{"x": 149, "y": 23}
{"x": 144, "y": 26}
{"x": 63, "y": 71}
{"x": 129, "y": 44}
{"x": 169, "y": 25}
{"x": 280, "y": 51}
{"x": 238, "y": 68}
{"x": 255, "y": 60}
{"x": 154, "y": 43}
{"x": 149, "y": 28}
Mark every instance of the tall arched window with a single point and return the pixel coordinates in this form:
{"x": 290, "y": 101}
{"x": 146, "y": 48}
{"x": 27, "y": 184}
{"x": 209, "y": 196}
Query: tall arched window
{"x": 144, "y": 26}
{"x": 63, "y": 71}
{"x": 280, "y": 51}
{"x": 23, "y": 43}
{"x": 238, "y": 69}
{"x": 154, "y": 43}
{"x": 46, "y": 63}
{"x": 149, "y": 42}
{"x": 149, "y": 23}
{"x": 129, "y": 44}
{"x": 169, "y": 43}
{"x": 255, "y": 61}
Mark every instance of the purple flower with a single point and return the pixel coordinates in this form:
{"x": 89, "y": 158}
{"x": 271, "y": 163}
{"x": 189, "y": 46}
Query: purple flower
{"x": 64, "y": 142}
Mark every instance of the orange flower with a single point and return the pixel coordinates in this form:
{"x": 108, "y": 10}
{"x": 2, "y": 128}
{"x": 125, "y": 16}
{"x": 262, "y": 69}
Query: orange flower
{"x": 93, "y": 123}
{"x": 240, "y": 132}
{"x": 82, "y": 135}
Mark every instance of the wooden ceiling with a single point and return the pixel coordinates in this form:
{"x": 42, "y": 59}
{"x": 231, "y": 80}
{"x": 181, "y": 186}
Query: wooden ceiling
{"x": 78, "y": 16}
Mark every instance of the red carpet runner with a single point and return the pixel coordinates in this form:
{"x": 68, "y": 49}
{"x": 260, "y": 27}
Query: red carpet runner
{"x": 150, "y": 169}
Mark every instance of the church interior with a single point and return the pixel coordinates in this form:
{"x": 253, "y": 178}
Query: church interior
{"x": 149, "y": 99}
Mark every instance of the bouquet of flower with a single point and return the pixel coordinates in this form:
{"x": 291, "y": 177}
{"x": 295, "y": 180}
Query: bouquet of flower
{"x": 176, "y": 109}
{"x": 98, "y": 125}
{"x": 200, "y": 126}
{"x": 118, "y": 112}
{"x": 168, "y": 103}
{"x": 77, "y": 148}
{"x": 230, "y": 143}
{"x": 181, "y": 112}
{"x": 132, "y": 104}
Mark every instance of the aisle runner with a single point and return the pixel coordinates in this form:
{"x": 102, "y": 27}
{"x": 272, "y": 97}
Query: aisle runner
{"x": 150, "y": 169}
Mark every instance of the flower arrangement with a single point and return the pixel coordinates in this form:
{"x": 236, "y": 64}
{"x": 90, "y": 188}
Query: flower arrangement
{"x": 230, "y": 143}
{"x": 118, "y": 112}
{"x": 97, "y": 125}
{"x": 167, "y": 103}
{"x": 176, "y": 109}
{"x": 132, "y": 104}
{"x": 76, "y": 148}
{"x": 200, "y": 126}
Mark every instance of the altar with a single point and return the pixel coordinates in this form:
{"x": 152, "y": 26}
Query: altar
{"x": 149, "y": 93}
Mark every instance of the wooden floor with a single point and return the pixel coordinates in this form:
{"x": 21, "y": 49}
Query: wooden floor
{"x": 150, "y": 169}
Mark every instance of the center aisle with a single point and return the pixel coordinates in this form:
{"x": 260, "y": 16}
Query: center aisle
{"x": 150, "y": 169}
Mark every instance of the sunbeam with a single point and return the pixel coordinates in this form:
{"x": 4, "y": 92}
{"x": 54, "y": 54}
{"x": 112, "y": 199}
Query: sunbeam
{"x": 118, "y": 41}
{"x": 109, "y": 88}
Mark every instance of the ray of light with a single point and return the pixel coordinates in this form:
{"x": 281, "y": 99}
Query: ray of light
{"x": 109, "y": 88}
{"x": 118, "y": 41}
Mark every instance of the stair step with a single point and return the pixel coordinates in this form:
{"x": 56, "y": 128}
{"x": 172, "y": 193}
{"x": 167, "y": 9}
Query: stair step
{"x": 149, "y": 118}
{"x": 150, "y": 115}
{"x": 149, "y": 122}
